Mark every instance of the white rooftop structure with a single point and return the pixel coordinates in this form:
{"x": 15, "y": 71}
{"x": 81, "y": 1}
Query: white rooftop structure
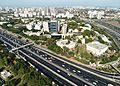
{"x": 5, "y": 74}
{"x": 66, "y": 43}
{"x": 96, "y": 48}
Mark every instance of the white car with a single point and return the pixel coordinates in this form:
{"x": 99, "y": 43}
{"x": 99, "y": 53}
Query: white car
{"x": 58, "y": 70}
{"x": 79, "y": 71}
{"x": 110, "y": 85}
{"x": 68, "y": 74}
{"x": 63, "y": 65}
{"x": 74, "y": 71}
{"x": 94, "y": 83}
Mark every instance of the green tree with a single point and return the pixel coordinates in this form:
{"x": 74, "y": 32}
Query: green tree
{"x": 88, "y": 33}
{"x": 79, "y": 41}
{"x": 88, "y": 40}
{"x": 100, "y": 40}
{"x": 65, "y": 50}
{"x": 71, "y": 54}
{"x": 5, "y": 60}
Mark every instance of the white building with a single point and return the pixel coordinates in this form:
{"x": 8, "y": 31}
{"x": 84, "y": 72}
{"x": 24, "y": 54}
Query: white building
{"x": 66, "y": 43}
{"x": 96, "y": 48}
{"x": 16, "y": 14}
{"x": 60, "y": 15}
{"x": 43, "y": 13}
{"x": 45, "y": 26}
{"x": 30, "y": 14}
{"x": 4, "y": 74}
{"x": 83, "y": 41}
{"x": 37, "y": 27}
{"x": 67, "y": 14}
{"x": 98, "y": 14}
{"x": 64, "y": 29}
{"x": 91, "y": 14}
{"x": 29, "y": 26}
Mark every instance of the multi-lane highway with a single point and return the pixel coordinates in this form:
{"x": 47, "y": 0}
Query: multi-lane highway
{"x": 59, "y": 69}
{"x": 110, "y": 29}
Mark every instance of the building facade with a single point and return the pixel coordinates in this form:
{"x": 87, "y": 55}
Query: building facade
{"x": 53, "y": 26}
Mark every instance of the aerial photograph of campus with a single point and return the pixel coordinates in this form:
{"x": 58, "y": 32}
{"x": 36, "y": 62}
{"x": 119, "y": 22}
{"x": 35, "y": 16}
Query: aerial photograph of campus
{"x": 59, "y": 42}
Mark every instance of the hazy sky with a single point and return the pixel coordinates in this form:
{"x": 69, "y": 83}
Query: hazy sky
{"x": 36, "y": 3}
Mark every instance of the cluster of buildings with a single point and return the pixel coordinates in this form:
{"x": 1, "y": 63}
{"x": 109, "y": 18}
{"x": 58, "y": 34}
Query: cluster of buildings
{"x": 52, "y": 26}
{"x": 96, "y": 14}
{"x": 68, "y": 12}
{"x": 48, "y": 26}
{"x": 40, "y": 12}
{"x": 59, "y": 27}
{"x": 31, "y": 12}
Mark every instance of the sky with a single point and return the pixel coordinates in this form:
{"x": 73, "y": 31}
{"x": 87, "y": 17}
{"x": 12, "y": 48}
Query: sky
{"x": 55, "y": 3}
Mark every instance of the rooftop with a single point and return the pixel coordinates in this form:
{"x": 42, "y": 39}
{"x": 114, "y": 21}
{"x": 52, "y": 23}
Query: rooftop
{"x": 97, "y": 45}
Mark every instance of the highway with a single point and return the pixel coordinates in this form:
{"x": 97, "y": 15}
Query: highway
{"x": 30, "y": 58}
{"x": 76, "y": 74}
{"x": 110, "y": 29}
{"x": 113, "y": 30}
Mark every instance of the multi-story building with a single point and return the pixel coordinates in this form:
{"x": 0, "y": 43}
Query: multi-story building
{"x": 100, "y": 15}
{"x": 45, "y": 26}
{"x": 96, "y": 14}
{"x": 53, "y": 26}
{"x": 64, "y": 29}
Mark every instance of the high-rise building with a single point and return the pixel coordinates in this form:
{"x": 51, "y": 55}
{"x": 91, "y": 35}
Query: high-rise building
{"x": 100, "y": 15}
{"x": 64, "y": 29}
{"x": 45, "y": 26}
{"x": 53, "y": 26}
{"x": 96, "y": 14}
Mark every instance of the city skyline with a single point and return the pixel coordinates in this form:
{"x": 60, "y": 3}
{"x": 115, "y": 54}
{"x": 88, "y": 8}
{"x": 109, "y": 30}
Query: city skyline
{"x": 59, "y": 3}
